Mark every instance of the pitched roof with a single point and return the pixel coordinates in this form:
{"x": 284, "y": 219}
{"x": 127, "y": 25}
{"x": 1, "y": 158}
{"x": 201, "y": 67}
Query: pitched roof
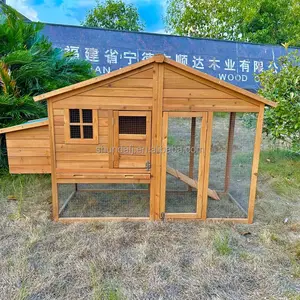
{"x": 27, "y": 125}
{"x": 159, "y": 58}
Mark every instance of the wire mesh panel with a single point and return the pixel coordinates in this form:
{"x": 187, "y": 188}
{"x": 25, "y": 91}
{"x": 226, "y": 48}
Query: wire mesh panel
{"x": 231, "y": 165}
{"x": 104, "y": 200}
{"x": 182, "y": 164}
{"x": 132, "y": 125}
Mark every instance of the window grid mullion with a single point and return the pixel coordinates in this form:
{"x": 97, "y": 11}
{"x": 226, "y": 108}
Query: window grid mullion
{"x": 81, "y": 124}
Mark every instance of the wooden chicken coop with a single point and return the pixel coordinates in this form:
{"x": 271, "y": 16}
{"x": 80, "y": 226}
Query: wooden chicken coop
{"x": 154, "y": 140}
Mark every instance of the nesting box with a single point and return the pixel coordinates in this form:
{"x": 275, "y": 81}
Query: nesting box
{"x": 154, "y": 140}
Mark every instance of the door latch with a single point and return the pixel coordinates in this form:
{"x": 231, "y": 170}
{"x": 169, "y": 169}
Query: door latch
{"x": 148, "y": 165}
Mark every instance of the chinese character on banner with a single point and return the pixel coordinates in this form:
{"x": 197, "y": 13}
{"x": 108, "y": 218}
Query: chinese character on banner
{"x": 146, "y": 55}
{"x": 111, "y": 56}
{"x": 73, "y": 49}
{"x": 230, "y": 64}
{"x": 214, "y": 64}
{"x": 258, "y": 66}
{"x": 92, "y": 54}
{"x": 182, "y": 58}
{"x": 245, "y": 65}
{"x": 198, "y": 62}
{"x": 130, "y": 56}
{"x": 273, "y": 66}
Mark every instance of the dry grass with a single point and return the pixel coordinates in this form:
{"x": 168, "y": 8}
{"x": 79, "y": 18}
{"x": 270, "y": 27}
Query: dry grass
{"x": 40, "y": 259}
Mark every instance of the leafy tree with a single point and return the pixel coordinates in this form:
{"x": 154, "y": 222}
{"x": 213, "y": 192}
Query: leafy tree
{"x": 260, "y": 21}
{"x": 283, "y": 122}
{"x": 30, "y": 66}
{"x": 114, "y": 14}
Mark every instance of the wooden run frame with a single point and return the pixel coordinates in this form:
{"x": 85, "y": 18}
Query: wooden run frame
{"x": 201, "y": 170}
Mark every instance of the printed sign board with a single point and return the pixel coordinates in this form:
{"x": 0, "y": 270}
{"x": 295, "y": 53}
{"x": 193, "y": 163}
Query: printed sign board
{"x": 109, "y": 50}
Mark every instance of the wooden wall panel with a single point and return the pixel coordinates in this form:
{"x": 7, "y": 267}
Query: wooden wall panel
{"x": 183, "y": 92}
{"x": 77, "y": 156}
{"x": 132, "y": 91}
{"x": 29, "y": 151}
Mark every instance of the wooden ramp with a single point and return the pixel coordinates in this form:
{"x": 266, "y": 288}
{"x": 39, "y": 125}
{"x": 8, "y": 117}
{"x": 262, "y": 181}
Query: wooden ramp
{"x": 189, "y": 181}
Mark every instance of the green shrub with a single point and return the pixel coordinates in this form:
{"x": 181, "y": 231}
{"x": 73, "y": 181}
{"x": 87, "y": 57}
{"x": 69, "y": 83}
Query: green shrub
{"x": 283, "y": 122}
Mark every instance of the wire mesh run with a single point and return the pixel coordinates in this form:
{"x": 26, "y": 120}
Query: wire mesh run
{"x": 132, "y": 125}
{"x": 182, "y": 164}
{"x": 103, "y": 200}
{"x": 233, "y": 185}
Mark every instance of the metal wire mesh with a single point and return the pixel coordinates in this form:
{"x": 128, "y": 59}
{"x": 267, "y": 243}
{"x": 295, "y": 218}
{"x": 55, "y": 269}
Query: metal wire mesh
{"x": 234, "y": 200}
{"x": 87, "y": 132}
{"x": 132, "y": 125}
{"x": 182, "y": 158}
{"x": 87, "y": 116}
{"x": 104, "y": 200}
{"x": 74, "y": 116}
{"x": 75, "y": 131}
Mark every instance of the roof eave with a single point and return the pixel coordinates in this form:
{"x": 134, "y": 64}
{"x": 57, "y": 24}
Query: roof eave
{"x": 24, "y": 126}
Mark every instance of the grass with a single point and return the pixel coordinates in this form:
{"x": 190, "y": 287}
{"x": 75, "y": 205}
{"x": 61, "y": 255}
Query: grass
{"x": 221, "y": 243}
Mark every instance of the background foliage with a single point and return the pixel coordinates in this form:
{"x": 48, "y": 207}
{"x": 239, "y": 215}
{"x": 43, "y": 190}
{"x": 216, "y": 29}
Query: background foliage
{"x": 283, "y": 122}
{"x": 258, "y": 21}
{"x": 114, "y": 14}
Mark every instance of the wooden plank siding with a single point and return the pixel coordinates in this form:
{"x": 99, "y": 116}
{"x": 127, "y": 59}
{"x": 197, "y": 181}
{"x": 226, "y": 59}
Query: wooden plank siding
{"x": 29, "y": 151}
{"x": 131, "y": 92}
{"x": 182, "y": 92}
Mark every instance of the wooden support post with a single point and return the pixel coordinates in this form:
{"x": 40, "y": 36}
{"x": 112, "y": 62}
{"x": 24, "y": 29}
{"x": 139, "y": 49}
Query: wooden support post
{"x": 256, "y": 153}
{"x": 192, "y": 150}
{"x": 229, "y": 151}
{"x": 156, "y": 138}
{"x": 207, "y": 163}
{"x": 55, "y": 206}
{"x": 162, "y": 205}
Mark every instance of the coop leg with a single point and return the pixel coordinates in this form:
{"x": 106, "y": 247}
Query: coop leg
{"x": 192, "y": 150}
{"x": 229, "y": 151}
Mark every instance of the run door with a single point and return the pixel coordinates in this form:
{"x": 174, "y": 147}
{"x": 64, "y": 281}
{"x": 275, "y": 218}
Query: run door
{"x": 132, "y": 139}
{"x": 183, "y": 164}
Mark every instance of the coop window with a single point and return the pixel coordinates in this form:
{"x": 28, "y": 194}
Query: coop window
{"x": 132, "y": 125}
{"x": 81, "y": 126}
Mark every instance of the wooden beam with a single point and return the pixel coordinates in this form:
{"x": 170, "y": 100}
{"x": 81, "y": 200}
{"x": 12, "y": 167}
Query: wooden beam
{"x": 207, "y": 164}
{"x": 55, "y": 206}
{"x": 192, "y": 149}
{"x": 162, "y": 205}
{"x": 229, "y": 151}
{"x": 191, "y": 182}
{"x": 256, "y": 153}
{"x": 156, "y": 138}
{"x": 102, "y": 219}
